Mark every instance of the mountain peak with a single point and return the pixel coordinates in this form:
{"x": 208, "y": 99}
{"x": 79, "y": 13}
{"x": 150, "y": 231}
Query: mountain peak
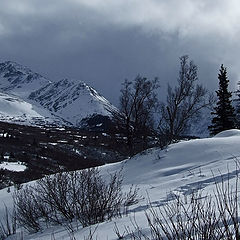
{"x": 19, "y": 80}
{"x": 72, "y": 100}
{"x": 14, "y": 67}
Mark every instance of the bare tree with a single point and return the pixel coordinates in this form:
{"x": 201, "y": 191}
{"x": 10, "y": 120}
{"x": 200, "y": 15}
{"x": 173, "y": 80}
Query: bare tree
{"x": 184, "y": 102}
{"x": 137, "y": 103}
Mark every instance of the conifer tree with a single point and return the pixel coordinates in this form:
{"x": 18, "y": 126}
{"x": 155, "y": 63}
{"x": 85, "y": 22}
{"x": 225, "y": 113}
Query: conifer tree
{"x": 237, "y": 107}
{"x": 224, "y": 112}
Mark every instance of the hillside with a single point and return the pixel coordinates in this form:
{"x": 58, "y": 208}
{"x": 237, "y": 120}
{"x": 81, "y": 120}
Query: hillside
{"x": 47, "y": 150}
{"x": 13, "y": 109}
{"x": 161, "y": 175}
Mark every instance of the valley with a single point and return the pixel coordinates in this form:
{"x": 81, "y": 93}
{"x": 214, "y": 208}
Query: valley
{"x": 48, "y": 150}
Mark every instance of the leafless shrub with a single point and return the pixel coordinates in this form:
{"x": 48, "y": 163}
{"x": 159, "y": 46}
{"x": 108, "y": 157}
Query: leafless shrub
{"x": 227, "y": 201}
{"x": 198, "y": 217}
{"x": 117, "y": 232}
{"x": 91, "y": 234}
{"x": 8, "y": 224}
{"x": 27, "y": 211}
{"x": 132, "y": 196}
{"x": 82, "y": 196}
{"x": 54, "y": 192}
{"x": 96, "y": 200}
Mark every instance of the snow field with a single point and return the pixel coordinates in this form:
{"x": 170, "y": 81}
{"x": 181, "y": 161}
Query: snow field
{"x": 161, "y": 174}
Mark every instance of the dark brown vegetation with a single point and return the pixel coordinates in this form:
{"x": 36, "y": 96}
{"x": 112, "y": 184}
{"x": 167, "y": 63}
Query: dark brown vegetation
{"x": 49, "y": 150}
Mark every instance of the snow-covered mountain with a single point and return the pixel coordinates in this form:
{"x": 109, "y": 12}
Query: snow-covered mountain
{"x": 20, "y": 80}
{"x": 68, "y": 100}
{"x": 72, "y": 100}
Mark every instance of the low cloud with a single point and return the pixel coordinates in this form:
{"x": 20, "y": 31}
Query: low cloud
{"x": 104, "y": 41}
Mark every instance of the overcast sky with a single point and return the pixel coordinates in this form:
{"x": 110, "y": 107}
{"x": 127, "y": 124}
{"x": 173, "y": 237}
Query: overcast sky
{"x": 102, "y": 42}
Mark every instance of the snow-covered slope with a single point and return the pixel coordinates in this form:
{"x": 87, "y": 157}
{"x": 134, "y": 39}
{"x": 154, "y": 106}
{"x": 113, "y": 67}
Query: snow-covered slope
{"x": 15, "y": 110}
{"x": 178, "y": 170}
{"x": 72, "y": 100}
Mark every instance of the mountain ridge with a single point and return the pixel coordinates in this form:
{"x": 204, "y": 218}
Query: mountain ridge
{"x": 19, "y": 80}
{"x": 74, "y": 95}
{"x": 66, "y": 99}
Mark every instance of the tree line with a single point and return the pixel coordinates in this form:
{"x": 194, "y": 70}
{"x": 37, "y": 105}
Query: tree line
{"x": 142, "y": 114}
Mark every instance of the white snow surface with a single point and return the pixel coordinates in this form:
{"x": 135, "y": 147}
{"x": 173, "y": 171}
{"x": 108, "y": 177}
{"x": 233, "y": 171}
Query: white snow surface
{"x": 14, "y": 109}
{"x": 228, "y": 133}
{"x": 178, "y": 169}
{"x": 13, "y": 166}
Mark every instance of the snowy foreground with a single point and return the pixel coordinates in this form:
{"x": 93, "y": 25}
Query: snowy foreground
{"x": 160, "y": 174}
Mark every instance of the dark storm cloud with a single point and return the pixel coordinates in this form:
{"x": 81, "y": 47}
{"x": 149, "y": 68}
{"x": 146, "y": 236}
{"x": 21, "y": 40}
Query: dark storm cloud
{"x": 104, "y": 41}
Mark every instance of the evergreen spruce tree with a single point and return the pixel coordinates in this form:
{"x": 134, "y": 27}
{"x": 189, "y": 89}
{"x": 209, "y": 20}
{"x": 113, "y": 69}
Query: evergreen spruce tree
{"x": 237, "y": 108}
{"x": 224, "y": 112}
